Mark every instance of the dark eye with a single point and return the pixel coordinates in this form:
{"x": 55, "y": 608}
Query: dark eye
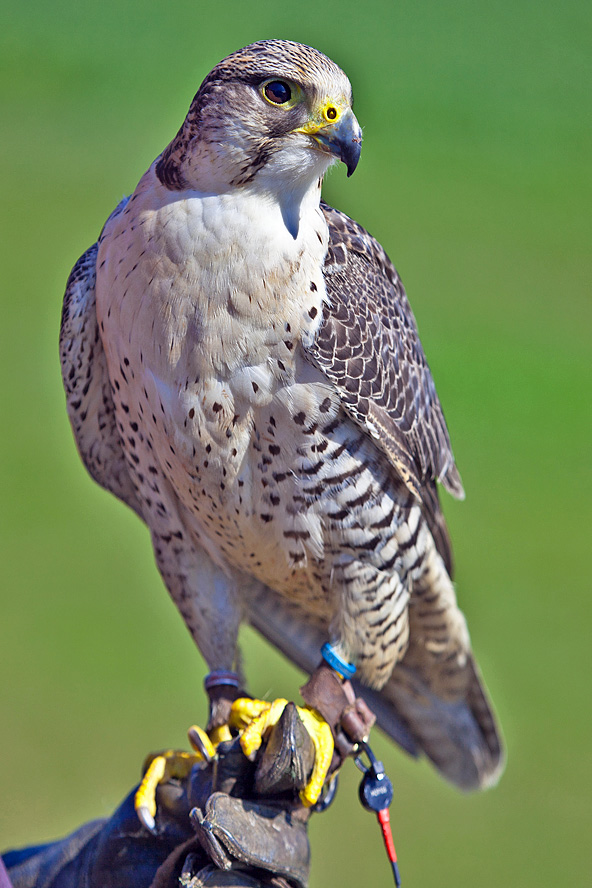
{"x": 278, "y": 92}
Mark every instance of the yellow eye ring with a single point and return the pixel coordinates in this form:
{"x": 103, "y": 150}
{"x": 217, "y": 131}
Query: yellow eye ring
{"x": 330, "y": 113}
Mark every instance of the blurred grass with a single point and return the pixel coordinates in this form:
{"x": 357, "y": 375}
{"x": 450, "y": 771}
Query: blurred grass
{"x": 476, "y": 177}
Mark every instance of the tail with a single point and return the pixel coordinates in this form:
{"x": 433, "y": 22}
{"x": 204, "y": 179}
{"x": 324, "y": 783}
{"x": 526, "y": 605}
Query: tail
{"x": 437, "y": 689}
{"x": 434, "y": 702}
{"x": 460, "y": 737}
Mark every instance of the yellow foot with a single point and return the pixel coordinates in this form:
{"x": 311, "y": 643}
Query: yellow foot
{"x": 162, "y": 766}
{"x": 255, "y": 718}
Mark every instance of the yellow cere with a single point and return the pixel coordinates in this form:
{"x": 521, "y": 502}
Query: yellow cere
{"x": 323, "y": 115}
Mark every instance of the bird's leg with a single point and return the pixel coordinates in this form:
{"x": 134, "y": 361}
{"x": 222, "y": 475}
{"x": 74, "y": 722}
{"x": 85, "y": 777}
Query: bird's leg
{"x": 336, "y": 720}
{"x": 254, "y": 720}
{"x": 207, "y": 600}
{"x": 222, "y": 688}
{"x": 331, "y": 694}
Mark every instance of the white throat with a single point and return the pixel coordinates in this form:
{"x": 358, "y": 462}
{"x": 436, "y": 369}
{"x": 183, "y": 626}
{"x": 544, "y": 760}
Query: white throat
{"x": 290, "y": 177}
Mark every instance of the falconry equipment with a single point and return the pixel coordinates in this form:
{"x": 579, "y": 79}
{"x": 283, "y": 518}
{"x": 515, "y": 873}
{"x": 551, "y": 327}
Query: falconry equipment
{"x": 243, "y": 369}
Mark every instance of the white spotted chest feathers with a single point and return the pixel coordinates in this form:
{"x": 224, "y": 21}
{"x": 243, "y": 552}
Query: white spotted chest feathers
{"x": 202, "y": 302}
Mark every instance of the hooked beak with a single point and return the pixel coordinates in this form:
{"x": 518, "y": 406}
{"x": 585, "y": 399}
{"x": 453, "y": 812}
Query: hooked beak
{"x": 342, "y": 139}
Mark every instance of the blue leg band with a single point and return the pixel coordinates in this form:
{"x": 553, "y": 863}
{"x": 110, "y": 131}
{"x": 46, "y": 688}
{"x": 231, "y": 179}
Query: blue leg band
{"x": 332, "y": 658}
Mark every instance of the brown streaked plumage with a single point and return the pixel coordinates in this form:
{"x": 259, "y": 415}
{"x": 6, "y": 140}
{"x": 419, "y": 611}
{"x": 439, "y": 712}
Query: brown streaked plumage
{"x": 242, "y": 367}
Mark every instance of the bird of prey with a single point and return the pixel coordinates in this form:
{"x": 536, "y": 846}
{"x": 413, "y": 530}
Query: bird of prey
{"x": 243, "y": 369}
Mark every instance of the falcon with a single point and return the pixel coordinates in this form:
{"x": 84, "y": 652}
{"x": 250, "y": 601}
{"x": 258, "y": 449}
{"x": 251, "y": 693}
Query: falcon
{"x": 243, "y": 369}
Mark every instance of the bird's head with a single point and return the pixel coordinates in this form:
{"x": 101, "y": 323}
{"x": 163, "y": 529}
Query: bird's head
{"x": 275, "y": 111}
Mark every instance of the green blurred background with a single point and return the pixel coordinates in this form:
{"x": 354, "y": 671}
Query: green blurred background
{"x": 475, "y": 175}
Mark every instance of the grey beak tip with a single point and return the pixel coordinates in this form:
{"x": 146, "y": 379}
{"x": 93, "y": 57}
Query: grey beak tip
{"x": 351, "y": 156}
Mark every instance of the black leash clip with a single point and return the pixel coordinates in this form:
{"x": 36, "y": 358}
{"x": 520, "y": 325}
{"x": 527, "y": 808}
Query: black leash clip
{"x": 376, "y": 794}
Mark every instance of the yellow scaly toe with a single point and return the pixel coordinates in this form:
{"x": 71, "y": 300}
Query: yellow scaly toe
{"x": 253, "y": 719}
{"x": 158, "y": 768}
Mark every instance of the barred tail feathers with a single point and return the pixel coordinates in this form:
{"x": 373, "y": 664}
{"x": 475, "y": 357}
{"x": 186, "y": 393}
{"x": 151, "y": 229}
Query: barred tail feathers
{"x": 434, "y": 702}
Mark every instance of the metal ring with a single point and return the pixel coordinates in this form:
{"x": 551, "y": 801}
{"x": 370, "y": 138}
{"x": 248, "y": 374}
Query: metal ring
{"x": 221, "y": 677}
{"x": 329, "y": 796}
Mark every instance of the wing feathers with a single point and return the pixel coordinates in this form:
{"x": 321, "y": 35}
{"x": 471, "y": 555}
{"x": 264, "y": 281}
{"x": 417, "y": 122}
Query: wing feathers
{"x": 368, "y": 346}
{"x": 88, "y": 390}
